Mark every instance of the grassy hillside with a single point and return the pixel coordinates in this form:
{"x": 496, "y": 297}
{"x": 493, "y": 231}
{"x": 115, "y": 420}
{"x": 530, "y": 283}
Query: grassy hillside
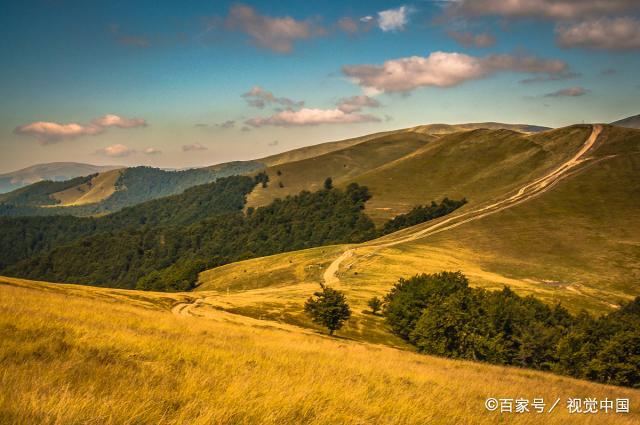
{"x": 630, "y": 122}
{"x": 112, "y": 191}
{"x": 95, "y": 190}
{"x": 577, "y": 243}
{"x": 54, "y": 171}
{"x": 341, "y": 165}
{"x": 88, "y": 355}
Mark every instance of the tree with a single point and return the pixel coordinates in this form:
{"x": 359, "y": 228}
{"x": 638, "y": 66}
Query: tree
{"x": 328, "y": 308}
{"x": 328, "y": 183}
{"x": 374, "y": 304}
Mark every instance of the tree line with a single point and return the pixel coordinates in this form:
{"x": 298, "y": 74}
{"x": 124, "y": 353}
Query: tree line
{"x": 441, "y": 315}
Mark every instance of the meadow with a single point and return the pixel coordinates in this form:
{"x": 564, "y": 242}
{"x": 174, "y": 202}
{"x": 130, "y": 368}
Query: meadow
{"x": 74, "y": 354}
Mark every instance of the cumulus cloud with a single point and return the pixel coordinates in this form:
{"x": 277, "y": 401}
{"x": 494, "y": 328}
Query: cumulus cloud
{"x": 115, "y": 151}
{"x": 52, "y": 132}
{"x": 357, "y": 103}
{"x": 569, "y": 92}
{"x": 393, "y": 19}
{"x": 442, "y": 69}
{"x": 348, "y": 25}
{"x": 621, "y": 33}
{"x": 259, "y": 98}
{"x": 469, "y": 39}
{"x": 544, "y": 9}
{"x": 309, "y": 117}
{"x": 152, "y": 151}
{"x": 277, "y": 34}
{"x": 194, "y": 147}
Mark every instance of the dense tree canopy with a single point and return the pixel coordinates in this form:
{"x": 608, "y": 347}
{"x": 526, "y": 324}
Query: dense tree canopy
{"x": 440, "y": 314}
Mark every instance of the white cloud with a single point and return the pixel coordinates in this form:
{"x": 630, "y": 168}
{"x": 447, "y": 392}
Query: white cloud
{"x": 307, "y": 117}
{"x": 115, "y": 151}
{"x": 52, "y": 132}
{"x": 608, "y": 34}
{"x": 277, "y": 34}
{"x": 194, "y": 147}
{"x": 442, "y": 69}
{"x": 393, "y": 19}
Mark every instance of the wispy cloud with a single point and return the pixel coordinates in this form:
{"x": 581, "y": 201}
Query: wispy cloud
{"x": 442, "y": 69}
{"x": 357, "y": 103}
{"x": 128, "y": 40}
{"x": 152, "y": 151}
{"x": 51, "y": 132}
{"x": 569, "y": 92}
{"x": 259, "y": 98}
{"x": 621, "y": 33}
{"x": 115, "y": 151}
{"x": 310, "y": 117}
{"x": 544, "y": 9}
{"x": 468, "y": 39}
{"x": 194, "y": 147}
{"x": 274, "y": 33}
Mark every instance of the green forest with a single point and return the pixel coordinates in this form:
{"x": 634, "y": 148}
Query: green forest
{"x": 134, "y": 186}
{"x": 441, "y": 315}
{"x": 163, "y": 244}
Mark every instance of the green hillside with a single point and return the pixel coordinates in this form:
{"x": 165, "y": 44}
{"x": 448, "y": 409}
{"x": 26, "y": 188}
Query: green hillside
{"x": 111, "y": 191}
{"x": 341, "y": 165}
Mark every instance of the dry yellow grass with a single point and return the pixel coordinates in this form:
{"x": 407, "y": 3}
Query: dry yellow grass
{"x": 99, "y": 188}
{"x": 73, "y": 355}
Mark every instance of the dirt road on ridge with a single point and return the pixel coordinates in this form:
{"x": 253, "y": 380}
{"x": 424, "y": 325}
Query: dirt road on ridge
{"x": 525, "y": 193}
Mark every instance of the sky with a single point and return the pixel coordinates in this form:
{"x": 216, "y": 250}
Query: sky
{"x": 183, "y": 84}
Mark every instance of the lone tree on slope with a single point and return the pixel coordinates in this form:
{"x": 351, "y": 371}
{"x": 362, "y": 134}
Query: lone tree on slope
{"x": 328, "y": 183}
{"x": 328, "y": 308}
{"x": 375, "y": 304}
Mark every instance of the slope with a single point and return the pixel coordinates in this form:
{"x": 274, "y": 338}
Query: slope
{"x": 111, "y": 191}
{"x": 97, "y": 189}
{"x": 341, "y": 165}
{"x": 78, "y": 355}
{"x": 630, "y": 122}
{"x": 574, "y": 240}
{"x": 55, "y": 171}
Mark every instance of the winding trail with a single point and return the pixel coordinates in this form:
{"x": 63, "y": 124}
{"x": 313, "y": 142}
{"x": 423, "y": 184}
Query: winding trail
{"x": 525, "y": 193}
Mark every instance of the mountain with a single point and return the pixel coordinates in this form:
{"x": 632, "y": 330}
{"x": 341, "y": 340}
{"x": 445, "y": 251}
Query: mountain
{"x": 553, "y": 214}
{"x": 630, "y": 122}
{"x": 110, "y": 191}
{"x": 54, "y": 171}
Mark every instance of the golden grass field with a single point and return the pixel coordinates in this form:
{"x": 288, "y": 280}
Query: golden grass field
{"x": 81, "y": 355}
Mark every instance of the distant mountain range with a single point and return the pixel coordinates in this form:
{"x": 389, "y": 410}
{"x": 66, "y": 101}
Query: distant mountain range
{"x": 55, "y": 171}
{"x": 630, "y": 122}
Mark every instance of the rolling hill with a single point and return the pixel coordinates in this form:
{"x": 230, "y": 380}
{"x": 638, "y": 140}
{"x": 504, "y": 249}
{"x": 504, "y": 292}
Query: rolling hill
{"x": 110, "y": 191}
{"x": 89, "y": 350}
{"x": 573, "y": 240}
{"x": 54, "y": 171}
{"x": 630, "y": 122}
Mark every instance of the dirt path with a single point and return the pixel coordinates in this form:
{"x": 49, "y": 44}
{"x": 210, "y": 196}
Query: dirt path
{"x": 184, "y": 309}
{"x": 525, "y": 193}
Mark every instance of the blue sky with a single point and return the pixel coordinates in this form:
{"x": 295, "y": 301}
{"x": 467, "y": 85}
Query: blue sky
{"x": 162, "y": 82}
